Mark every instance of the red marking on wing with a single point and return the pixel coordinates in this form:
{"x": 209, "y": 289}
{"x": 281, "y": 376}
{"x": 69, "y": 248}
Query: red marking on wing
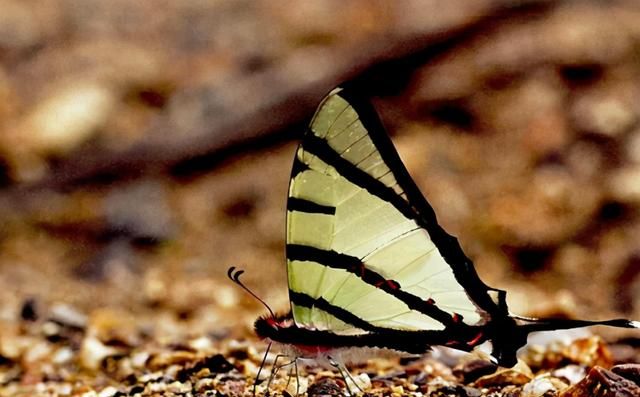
{"x": 456, "y": 318}
{"x": 390, "y": 284}
{"x": 359, "y": 270}
{"x": 430, "y": 301}
{"x": 475, "y": 340}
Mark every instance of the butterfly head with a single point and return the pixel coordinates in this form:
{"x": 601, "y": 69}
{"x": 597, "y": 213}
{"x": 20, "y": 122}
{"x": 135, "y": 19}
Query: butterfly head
{"x": 270, "y": 326}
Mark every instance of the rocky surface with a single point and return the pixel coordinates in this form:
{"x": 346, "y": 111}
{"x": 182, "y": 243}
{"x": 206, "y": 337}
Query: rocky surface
{"x": 59, "y": 350}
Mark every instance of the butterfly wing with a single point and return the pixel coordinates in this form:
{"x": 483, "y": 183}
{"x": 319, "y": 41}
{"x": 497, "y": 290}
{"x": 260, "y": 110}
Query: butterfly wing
{"x": 364, "y": 249}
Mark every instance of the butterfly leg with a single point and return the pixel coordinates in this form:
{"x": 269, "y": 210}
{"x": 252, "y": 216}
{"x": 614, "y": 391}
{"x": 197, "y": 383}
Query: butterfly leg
{"x": 289, "y": 376}
{"x": 257, "y": 380}
{"x": 344, "y": 374}
{"x": 275, "y": 369}
{"x": 295, "y": 367}
{"x": 293, "y": 364}
{"x": 293, "y": 371}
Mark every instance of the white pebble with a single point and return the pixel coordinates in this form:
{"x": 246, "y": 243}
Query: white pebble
{"x": 68, "y": 315}
{"x": 537, "y": 387}
{"x": 139, "y": 359}
{"x": 93, "y": 352}
{"x": 62, "y": 355}
{"x": 625, "y": 184}
{"x": 69, "y": 116}
{"x": 202, "y": 343}
{"x": 108, "y": 391}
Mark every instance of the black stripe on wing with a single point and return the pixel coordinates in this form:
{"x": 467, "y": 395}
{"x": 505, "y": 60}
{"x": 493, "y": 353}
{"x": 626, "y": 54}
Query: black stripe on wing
{"x": 319, "y": 147}
{"x": 420, "y": 209}
{"x": 308, "y": 206}
{"x": 298, "y": 167}
{"x": 300, "y": 299}
{"x": 355, "y": 266}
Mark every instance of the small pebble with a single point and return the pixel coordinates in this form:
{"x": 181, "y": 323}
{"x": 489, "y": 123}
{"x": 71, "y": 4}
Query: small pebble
{"x": 538, "y": 387}
{"x": 93, "y": 352}
{"x": 325, "y": 388}
{"x": 471, "y": 370}
{"x": 69, "y": 116}
{"x": 66, "y": 315}
{"x": 108, "y": 391}
{"x": 29, "y": 311}
{"x": 572, "y": 373}
{"x": 63, "y": 355}
{"x": 602, "y": 382}
{"x": 624, "y": 184}
{"x": 629, "y": 371}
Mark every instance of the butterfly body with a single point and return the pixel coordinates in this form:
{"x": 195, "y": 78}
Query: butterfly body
{"x": 308, "y": 342}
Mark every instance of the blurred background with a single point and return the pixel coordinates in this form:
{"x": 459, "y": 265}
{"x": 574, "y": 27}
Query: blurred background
{"x": 146, "y": 146}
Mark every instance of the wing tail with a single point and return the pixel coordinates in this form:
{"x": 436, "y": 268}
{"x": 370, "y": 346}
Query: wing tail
{"x": 506, "y": 344}
{"x": 550, "y": 324}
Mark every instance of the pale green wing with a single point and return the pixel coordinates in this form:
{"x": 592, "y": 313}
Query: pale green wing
{"x": 360, "y": 248}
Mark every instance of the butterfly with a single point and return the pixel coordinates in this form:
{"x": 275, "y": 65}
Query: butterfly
{"x": 368, "y": 264}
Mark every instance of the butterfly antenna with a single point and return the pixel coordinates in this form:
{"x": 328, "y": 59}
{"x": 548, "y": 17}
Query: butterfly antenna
{"x": 234, "y": 275}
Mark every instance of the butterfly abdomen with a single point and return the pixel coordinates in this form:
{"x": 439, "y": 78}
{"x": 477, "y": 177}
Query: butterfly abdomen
{"x": 283, "y": 330}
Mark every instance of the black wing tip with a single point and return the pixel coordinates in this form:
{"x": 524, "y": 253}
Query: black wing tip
{"x": 368, "y": 87}
{"x": 359, "y": 97}
{"x": 354, "y": 88}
